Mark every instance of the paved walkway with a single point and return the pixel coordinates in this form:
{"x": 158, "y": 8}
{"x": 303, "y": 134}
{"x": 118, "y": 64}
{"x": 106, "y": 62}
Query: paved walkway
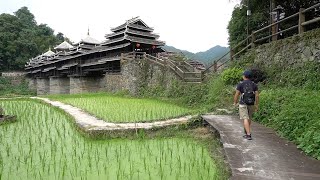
{"x": 267, "y": 156}
{"x": 88, "y": 122}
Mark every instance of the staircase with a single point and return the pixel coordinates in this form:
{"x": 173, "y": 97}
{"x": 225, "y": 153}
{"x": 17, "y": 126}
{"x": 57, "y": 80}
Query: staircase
{"x": 184, "y": 70}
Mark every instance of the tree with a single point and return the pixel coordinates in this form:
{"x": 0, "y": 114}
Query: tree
{"x": 21, "y": 39}
{"x": 260, "y": 17}
{"x": 26, "y": 16}
{"x": 60, "y": 36}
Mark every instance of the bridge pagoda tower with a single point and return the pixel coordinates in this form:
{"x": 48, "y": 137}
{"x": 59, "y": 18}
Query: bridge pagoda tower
{"x": 134, "y": 35}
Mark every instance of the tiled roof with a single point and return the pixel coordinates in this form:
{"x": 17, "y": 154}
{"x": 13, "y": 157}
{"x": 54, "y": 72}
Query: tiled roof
{"x": 64, "y": 45}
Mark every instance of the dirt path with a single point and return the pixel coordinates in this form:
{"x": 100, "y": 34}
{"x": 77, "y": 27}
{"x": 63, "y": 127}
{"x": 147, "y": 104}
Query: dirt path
{"x": 90, "y": 123}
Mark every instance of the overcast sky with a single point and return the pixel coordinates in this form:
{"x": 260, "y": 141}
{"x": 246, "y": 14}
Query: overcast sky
{"x": 193, "y": 25}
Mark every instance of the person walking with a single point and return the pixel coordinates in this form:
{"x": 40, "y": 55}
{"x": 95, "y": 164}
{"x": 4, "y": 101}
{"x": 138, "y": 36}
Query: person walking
{"x": 248, "y": 92}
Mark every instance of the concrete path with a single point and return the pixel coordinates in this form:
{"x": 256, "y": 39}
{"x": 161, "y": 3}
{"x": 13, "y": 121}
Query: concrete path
{"x": 267, "y": 156}
{"x": 88, "y": 122}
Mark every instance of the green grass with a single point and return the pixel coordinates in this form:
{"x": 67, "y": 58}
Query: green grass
{"x": 113, "y": 108}
{"x": 43, "y": 144}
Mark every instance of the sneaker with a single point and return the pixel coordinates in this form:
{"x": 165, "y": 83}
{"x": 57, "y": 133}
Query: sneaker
{"x": 247, "y": 137}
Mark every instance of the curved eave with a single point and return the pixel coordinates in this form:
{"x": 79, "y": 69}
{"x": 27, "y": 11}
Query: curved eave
{"x": 142, "y": 33}
{"x": 141, "y": 27}
{"x": 123, "y": 26}
{"x": 113, "y": 41}
{"x": 145, "y": 41}
{"x": 99, "y": 62}
{"x": 48, "y": 69}
{"x": 114, "y": 34}
{"x": 110, "y": 48}
{"x": 100, "y": 49}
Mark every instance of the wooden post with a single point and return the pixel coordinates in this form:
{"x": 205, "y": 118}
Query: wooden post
{"x": 302, "y": 19}
{"x": 215, "y": 66}
{"x": 272, "y": 17}
{"x": 231, "y": 54}
{"x": 274, "y": 29}
{"x": 253, "y": 39}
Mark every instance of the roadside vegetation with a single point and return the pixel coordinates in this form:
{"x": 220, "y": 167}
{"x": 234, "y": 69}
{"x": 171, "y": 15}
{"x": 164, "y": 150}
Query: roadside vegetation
{"x": 295, "y": 115}
{"x": 10, "y": 89}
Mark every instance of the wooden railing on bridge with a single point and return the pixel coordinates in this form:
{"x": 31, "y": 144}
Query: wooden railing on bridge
{"x": 234, "y": 52}
{"x": 187, "y": 73}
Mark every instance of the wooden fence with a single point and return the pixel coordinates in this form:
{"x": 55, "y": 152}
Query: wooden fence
{"x": 234, "y": 52}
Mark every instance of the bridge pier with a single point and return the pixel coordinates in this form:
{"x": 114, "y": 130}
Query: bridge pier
{"x": 59, "y": 85}
{"x": 80, "y": 85}
{"x": 112, "y": 82}
{"x": 32, "y": 84}
{"x": 43, "y": 86}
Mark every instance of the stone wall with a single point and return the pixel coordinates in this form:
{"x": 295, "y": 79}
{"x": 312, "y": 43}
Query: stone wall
{"x": 15, "y": 78}
{"x": 131, "y": 75}
{"x": 84, "y": 84}
{"x": 43, "y": 86}
{"x": 32, "y": 84}
{"x": 294, "y": 61}
{"x": 287, "y": 53}
{"x": 13, "y": 74}
{"x": 293, "y": 51}
{"x": 135, "y": 75}
{"x": 112, "y": 82}
{"x": 59, "y": 85}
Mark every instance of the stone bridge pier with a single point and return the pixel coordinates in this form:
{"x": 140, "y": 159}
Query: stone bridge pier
{"x": 43, "y": 86}
{"x": 84, "y": 84}
{"x": 59, "y": 85}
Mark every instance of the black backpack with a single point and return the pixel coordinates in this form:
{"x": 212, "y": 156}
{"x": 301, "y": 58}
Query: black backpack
{"x": 248, "y": 95}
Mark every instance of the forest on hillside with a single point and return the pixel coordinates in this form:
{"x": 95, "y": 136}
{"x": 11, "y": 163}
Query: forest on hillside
{"x": 21, "y": 38}
{"x": 260, "y": 17}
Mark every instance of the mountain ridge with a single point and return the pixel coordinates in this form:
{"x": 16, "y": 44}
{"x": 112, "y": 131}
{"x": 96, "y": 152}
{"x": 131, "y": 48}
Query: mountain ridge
{"x": 207, "y": 57}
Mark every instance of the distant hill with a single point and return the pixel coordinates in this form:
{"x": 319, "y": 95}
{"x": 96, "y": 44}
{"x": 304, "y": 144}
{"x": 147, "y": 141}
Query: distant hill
{"x": 206, "y": 57}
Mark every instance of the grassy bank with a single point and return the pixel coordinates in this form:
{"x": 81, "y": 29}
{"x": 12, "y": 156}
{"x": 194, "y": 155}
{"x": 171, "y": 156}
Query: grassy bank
{"x": 295, "y": 115}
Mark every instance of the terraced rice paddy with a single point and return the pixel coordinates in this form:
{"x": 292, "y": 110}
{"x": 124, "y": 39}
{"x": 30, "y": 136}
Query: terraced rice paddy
{"x": 119, "y": 109}
{"x": 43, "y": 144}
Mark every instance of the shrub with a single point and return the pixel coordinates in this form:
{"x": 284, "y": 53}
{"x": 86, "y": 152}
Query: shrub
{"x": 9, "y": 89}
{"x": 232, "y": 76}
{"x": 219, "y": 94}
{"x": 295, "y": 115}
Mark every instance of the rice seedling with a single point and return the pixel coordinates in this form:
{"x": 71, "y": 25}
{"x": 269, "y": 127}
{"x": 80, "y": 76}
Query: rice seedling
{"x": 43, "y": 144}
{"x": 120, "y": 109}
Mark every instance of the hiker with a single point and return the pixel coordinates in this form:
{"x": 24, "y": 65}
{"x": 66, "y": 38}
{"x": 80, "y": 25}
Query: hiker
{"x": 247, "y": 90}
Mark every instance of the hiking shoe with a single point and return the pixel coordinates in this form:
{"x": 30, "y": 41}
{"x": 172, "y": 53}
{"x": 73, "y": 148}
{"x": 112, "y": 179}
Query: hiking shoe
{"x": 247, "y": 137}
